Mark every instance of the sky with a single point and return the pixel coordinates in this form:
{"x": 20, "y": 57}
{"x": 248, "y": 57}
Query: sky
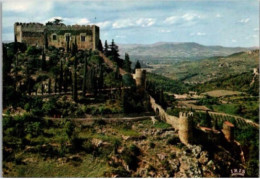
{"x": 229, "y": 23}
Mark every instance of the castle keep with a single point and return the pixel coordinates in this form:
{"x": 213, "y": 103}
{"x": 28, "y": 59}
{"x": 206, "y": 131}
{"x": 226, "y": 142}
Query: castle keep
{"x": 57, "y": 35}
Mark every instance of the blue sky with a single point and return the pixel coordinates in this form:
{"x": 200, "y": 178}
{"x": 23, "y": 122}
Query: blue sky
{"x": 208, "y": 22}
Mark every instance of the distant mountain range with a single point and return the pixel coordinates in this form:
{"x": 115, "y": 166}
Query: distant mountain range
{"x": 176, "y": 51}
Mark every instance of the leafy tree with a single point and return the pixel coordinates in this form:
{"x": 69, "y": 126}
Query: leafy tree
{"x": 69, "y": 128}
{"x": 128, "y": 80}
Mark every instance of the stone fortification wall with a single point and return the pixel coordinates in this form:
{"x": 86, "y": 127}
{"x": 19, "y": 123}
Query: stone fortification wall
{"x": 173, "y": 120}
{"x": 60, "y": 36}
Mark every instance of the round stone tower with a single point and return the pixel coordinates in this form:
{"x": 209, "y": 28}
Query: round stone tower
{"x": 139, "y": 77}
{"x": 185, "y": 127}
{"x": 228, "y": 131}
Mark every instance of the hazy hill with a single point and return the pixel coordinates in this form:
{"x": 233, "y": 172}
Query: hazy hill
{"x": 170, "y": 51}
{"x": 200, "y": 71}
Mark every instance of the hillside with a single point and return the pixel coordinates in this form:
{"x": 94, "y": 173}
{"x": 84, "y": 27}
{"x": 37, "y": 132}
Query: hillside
{"x": 239, "y": 82}
{"x": 176, "y": 51}
{"x": 208, "y": 69}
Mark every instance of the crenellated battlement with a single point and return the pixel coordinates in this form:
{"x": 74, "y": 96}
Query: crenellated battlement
{"x": 185, "y": 114}
{"x": 63, "y": 26}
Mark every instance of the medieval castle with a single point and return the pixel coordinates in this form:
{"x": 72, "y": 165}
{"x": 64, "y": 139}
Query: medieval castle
{"x": 57, "y": 35}
{"x": 87, "y": 37}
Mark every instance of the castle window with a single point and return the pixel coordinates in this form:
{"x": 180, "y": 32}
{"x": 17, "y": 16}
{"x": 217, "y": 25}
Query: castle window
{"x": 83, "y": 38}
{"x": 54, "y": 37}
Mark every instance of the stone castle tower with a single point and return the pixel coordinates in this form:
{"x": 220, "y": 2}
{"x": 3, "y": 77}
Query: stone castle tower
{"x": 140, "y": 77}
{"x": 185, "y": 127}
{"x": 57, "y": 35}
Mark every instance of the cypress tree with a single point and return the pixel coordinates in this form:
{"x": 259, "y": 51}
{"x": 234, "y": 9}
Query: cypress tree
{"x": 74, "y": 48}
{"x": 42, "y": 88}
{"x": 55, "y": 85}
{"x": 45, "y": 40}
{"x": 100, "y": 46}
{"x": 15, "y": 45}
{"x": 75, "y": 91}
{"x": 101, "y": 78}
{"x": 114, "y": 52}
{"x": 61, "y": 76}
{"x": 84, "y": 76}
{"x": 137, "y": 65}
{"x": 49, "y": 86}
{"x": 66, "y": 74}
{"x": 43, "y": 61}
{"x": 127, "y": 63}
{"x": 28, "y": 80}
{"x": 117, "y": 73}
{"x": 106, "y": 48}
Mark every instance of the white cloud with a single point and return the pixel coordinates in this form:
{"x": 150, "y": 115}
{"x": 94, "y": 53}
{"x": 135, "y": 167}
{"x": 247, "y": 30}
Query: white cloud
{"x": 164, "y": 31}
{"x": 123, "y": 23}
{"x": 233, "y": 41}
{"x": 218, "y": 15}
{"x": 190, "y": 16}
{"x": 27, "y": 6}
{"x": 254, "y": 36}
{"x": 198, "y": 34}
{"x": 120, "y": 36}
{"x": 244, "y": 21}
{"x": 145, "y": 22}
{"x": 141, "y": 22}
{"x": 171, "y": 20}
{"x": 104, "y": 24}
